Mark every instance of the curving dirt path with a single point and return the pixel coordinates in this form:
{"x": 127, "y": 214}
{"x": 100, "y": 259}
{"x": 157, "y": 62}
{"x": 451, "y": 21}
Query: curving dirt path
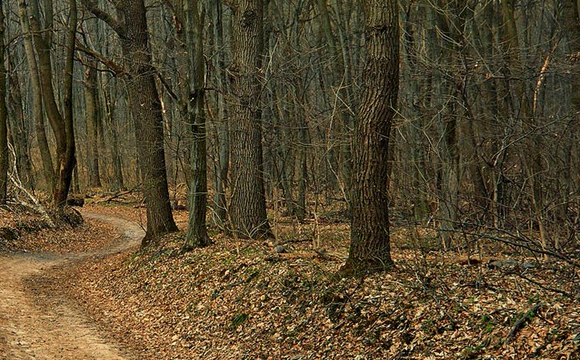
{"x": 53, "y": 328}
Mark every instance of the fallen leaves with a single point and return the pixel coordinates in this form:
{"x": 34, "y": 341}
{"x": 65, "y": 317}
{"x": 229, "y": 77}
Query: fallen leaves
{"x": 228, "y": 302}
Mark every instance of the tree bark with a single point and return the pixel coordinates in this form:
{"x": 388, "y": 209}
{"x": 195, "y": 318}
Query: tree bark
{"x": 197, "y": 230}
{"x": 147, "y": 114}
{"x": 248, "y": 203}
{"x": 91, "y": 118}
{"x": 222, "y": 166}
{"x": 145, "y": 105}
{"x": 571, "y": 27}
{"x": 38, "y": 114}
{"x": 19, "y": 128}
{"x": 4, "y": 164}
{"x": 61, "y": 123}
{"x": 370, "y": 243}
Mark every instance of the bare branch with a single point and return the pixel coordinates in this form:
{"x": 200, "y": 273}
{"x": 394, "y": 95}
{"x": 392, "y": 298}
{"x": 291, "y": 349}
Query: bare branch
{"x": 114, "y": 23}
{"x": 117, "y": 69}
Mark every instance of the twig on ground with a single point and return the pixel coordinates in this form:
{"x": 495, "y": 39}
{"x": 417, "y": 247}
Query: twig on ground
{"x": 562, "y": 292}
{"x": 528, "y": 315}
{"x": 117, "y": 195}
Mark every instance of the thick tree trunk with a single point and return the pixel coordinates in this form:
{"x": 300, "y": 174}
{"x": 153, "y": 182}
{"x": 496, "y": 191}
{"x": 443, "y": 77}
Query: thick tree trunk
{"x": 3, "y": 114}
{"x": 67, "y": 158}
{"x": 370, "y": 245}
{"x": 248, "y": 204}
{"x": 147, "y": 114}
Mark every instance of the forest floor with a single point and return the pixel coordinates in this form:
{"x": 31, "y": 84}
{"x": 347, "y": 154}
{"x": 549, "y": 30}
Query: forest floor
{"x": 36, "y": 322}
{"x": 240, "y": 299}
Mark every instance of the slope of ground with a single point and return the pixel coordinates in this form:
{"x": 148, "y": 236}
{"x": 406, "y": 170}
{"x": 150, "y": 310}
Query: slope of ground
{"x": 244, "y": 300}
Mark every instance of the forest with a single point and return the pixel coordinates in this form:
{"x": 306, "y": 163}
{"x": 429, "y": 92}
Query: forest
{"x": 289, "y": 179}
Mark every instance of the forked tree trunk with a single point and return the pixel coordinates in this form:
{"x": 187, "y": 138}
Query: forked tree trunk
{"x": 248, "y": 203}
{"x": 61, "y": 122}
{"x": 370, "y": 245}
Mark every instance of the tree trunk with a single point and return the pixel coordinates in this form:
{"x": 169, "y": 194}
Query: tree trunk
{"x": 197, "y": 231}
{"x": 61, "y": 123}
{"x": 221, "y": 172}
{"x": 147, "y": 115}
{"x": 19, "y": 128}
{"x": 248, "y": 204}
{"x": 370, "y": 244}
{"x": 109, "y": 109}
{"x": 38, "y": 114}
{"x": 91, "y": 117}
{"x": 3, "y": 114}
{"x": 571, "y": 25}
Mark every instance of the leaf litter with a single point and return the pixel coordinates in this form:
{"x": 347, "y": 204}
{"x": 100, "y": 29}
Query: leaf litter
{"x": 227, "y": 301}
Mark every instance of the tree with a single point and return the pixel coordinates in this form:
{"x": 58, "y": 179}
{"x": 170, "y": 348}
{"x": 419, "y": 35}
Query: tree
{"x": 60, "y": 119}
{"x": 194, "y": 23}
{"x": 3, "y": 114}
{"x": 37, "y": 112}
{"x": 248, "y": 203}
{"x": 131, "y": 27}
{"x": 370, "y": 245}
{"x": 92, "y": 120}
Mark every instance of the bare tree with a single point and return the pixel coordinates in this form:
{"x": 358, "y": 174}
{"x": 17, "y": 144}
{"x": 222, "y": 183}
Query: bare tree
{"x": 248, "y": 203}
{"x": 61, "y": 120}
{"x": 130, "y": 24}
{"x": 370, "y": 245}
{"x": 194, "y": 24}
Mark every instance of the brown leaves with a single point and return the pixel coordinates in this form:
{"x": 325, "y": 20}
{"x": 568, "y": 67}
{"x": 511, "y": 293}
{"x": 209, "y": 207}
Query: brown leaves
{"x": 227, "y": 302}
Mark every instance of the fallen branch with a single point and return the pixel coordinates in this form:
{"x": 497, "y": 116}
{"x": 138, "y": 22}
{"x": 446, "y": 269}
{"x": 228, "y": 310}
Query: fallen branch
{"x": 558, "y": 291}
{"x": 36, "y": 206}
{"x": 528, "y": 315}
{"x": 117, "y": 195}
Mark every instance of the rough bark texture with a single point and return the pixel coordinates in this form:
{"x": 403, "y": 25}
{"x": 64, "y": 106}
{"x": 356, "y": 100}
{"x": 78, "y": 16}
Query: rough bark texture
{"x": 370, "y": 246}
{"x": 147, "y": 114}
{"x": 3, "y": 115}
{"x": 248, "y": 203}
{"x": 67, "y": 157}
{"x": 197, "y": 231}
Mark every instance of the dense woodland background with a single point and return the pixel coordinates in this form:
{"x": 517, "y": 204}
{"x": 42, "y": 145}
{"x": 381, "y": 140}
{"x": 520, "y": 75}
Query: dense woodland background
{"x": 484, "y": 137}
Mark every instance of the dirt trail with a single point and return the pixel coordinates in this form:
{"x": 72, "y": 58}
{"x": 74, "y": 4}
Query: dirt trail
{"x": 52, "y": 328}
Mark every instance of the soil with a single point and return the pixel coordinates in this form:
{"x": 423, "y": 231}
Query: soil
{"x": 36, "y": 324}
